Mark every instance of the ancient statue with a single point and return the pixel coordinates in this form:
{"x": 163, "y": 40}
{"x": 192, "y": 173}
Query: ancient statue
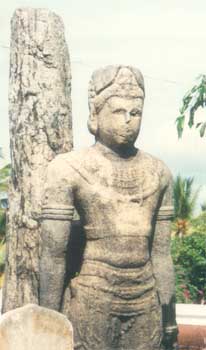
{"x": 123, "y": 295}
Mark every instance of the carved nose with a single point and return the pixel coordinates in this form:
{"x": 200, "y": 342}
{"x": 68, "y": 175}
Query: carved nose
{"x": 127, "y": 117}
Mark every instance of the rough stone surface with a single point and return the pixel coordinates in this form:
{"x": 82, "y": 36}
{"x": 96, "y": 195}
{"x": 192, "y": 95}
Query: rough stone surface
{"x": 40, "y": 128}
{"x": 35, "y": 328}
{"x": 122, "y": 295}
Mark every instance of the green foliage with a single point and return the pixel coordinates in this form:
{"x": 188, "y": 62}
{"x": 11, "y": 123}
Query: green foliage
{"x": 4, "y": 181}
{"x": 193, "y": 99}
{"x": 198, "y": 224}
{"x": 2, "y": 261}
{"x": 184, "y": 197}
{"x": 4, "y": 178}
{"x": 2, "y": 223}
{"x": 203, "y": 207}
{"x": 189, "y": 257}
{"x": 2, "y": 255}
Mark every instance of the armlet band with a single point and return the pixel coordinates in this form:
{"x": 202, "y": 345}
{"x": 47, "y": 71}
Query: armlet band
{"x": 165, "y": 213}
{"x": 51, "y": 212}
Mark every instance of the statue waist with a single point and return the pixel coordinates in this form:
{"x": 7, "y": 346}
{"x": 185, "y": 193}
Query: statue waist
{"x": 126, "y": 283}
{"x": 124, "y": 291}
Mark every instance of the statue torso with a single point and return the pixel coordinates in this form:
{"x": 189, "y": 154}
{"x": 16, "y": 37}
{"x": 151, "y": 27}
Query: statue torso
{"x": 117, "y": 200}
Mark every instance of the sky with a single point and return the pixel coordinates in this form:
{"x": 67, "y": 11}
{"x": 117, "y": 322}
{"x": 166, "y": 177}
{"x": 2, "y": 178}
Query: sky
{"x": 165, "y": 39}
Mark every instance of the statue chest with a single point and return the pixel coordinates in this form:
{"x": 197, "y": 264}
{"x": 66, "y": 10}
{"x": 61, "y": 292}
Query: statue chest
{"x": 118, "y": 204}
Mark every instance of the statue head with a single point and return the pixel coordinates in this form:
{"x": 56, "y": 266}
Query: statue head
{"x": 116, "y": 97}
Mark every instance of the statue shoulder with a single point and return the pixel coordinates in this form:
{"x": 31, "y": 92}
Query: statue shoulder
{"x": 59, "y": 168}
{"x": 68, "y": 166}
{"x": 66, "y": 160}
{"x": 154, "y": 165}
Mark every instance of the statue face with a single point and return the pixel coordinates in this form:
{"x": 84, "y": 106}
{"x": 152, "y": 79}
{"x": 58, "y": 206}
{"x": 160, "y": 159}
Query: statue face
{"x": 119, "y": 121}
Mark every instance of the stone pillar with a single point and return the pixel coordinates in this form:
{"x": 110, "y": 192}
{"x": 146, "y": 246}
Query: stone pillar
{"x": 40, "y": 128}
{"x": 35, "y": 328}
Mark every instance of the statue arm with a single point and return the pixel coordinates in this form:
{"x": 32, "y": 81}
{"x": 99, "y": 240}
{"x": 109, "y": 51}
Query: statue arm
{"x": 163, "y": 265}
{"x": 57, "y": 213}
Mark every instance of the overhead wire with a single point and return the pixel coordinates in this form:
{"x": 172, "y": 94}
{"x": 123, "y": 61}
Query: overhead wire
{"x": 4, "y": 46}
{"x": 86, "y": 64}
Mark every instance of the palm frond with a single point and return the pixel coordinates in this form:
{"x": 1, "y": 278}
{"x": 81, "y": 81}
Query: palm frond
{"x": 184, "y": 197}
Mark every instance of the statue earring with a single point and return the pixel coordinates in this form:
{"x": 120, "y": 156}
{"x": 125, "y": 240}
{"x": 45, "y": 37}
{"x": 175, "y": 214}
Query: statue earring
{"x": 92, "y": 125}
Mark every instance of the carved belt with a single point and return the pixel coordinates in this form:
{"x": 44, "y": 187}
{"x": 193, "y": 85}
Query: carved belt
{"x": 123, "y": 285}
{"x": 133, "y": 301}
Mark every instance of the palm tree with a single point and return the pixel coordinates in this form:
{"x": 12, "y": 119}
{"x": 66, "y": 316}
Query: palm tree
{"x": 184, "y": 202}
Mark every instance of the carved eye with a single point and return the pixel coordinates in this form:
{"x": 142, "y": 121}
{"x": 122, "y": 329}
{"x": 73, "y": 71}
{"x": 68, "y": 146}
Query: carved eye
{"x": 135, "y": 112}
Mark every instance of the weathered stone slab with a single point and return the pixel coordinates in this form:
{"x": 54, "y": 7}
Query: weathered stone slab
{"x": 35, "y": 328}
{"x": 40, "y": 128}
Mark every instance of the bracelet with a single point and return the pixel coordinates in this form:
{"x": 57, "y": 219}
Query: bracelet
{"x": 165, "y": 213}
{"x": 57, "y": 212}
{"x": 171, "y": 329}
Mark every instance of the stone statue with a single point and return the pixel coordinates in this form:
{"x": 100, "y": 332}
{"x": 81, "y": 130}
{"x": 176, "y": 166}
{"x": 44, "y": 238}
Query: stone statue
{"x": 123, "y": 295}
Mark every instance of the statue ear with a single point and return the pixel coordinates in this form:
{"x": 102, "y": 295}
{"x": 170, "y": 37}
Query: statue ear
{"x": 93, "y": 122}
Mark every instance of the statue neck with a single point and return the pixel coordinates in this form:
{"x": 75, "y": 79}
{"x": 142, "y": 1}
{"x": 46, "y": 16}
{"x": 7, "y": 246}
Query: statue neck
{"x": 116, "y": 154}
